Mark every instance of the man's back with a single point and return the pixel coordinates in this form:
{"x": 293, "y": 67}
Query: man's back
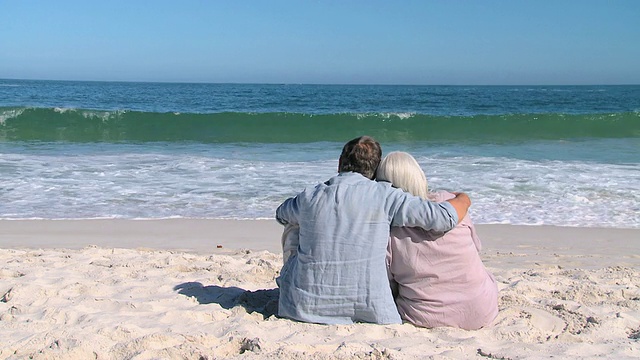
{"x": 339, "y": 274}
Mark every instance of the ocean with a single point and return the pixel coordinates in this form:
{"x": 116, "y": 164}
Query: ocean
{"x": 534, "y": 155}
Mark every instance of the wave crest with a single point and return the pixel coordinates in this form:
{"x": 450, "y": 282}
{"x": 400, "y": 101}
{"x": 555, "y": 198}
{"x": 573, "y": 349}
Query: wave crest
{"x": 86, "y": 125}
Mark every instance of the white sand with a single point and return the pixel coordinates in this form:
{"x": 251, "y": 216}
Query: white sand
{"x": 123, "y": 289}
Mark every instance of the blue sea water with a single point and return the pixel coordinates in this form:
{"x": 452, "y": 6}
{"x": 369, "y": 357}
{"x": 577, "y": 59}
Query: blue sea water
{"x": 557, "y": 155}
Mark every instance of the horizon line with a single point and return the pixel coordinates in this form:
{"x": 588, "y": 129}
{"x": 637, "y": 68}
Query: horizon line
{"x": 303, "y": 83}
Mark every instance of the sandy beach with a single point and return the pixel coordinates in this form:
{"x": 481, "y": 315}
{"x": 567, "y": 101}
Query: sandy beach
{"x": 205, "y": 289}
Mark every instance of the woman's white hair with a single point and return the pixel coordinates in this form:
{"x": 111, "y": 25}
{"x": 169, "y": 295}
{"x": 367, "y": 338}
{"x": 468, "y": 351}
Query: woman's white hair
{"x": 403, "y": 172}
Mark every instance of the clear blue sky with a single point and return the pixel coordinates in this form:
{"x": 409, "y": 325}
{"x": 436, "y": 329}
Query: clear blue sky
{"x": 346, "y": 42}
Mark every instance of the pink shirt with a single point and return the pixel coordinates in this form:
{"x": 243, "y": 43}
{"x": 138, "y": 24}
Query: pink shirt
{"x": 441, "y": 281}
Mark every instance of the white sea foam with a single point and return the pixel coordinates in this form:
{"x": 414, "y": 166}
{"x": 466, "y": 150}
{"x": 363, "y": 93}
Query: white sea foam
{"x": 63, "y": 110}
{"x": 73, "y": 181}
{"x": 102, "y": 115}
{"x": 543, "y": 192}
{"x": 400, "y": 116}
{"x": 387, "y": 115}
{"x": 9, "y": 114}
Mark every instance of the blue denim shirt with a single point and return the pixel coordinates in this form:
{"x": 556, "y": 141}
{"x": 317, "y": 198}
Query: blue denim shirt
{"x": 338, "y": 275}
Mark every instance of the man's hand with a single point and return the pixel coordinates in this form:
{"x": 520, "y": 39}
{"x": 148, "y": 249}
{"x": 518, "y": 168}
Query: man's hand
{"x": 461, "y": 203}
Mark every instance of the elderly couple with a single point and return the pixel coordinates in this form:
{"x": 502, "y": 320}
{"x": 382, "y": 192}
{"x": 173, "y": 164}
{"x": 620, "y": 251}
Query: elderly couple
{"x": 382, "y": 251}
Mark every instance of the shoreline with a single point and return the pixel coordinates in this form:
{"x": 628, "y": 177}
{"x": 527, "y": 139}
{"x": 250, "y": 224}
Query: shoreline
{"x": 579, "y": 246}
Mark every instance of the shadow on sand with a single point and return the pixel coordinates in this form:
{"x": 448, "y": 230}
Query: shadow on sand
{"x": 264, "y": 302}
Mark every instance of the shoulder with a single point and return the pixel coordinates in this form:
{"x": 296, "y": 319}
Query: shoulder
{"x": 388, "y": 188}
{"x": 441, "y": 195}
{"x": 385, "y": 185}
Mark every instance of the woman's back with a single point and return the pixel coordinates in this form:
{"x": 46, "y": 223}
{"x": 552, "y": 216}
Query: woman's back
{"x": 441, "y": 281}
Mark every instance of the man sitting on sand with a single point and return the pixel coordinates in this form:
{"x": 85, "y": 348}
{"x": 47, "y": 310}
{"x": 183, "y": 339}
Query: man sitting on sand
{"x": 338, "y": 273}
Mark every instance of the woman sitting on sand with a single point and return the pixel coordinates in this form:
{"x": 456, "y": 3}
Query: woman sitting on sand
{"x": 437, "y": 280}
